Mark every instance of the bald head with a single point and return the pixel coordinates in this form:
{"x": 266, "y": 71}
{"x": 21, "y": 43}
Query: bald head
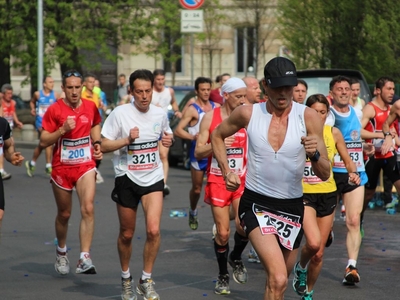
{"x": 253, "y": 90}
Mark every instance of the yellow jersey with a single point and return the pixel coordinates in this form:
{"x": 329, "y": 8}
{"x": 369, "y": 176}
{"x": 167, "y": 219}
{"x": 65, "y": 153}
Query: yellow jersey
{"x": 94, "y": 97}
{"x": 312, "y": 184}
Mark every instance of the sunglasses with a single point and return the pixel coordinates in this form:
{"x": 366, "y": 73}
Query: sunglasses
{"x": 72, "y": 73}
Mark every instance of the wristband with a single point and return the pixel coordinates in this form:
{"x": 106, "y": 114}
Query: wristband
{"x": 97, "y": 142}
{"x": 385, "y": 134}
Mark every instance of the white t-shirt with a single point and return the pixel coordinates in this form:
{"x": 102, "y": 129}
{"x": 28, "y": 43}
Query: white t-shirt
{"x": 162, "y": 99}
{"x": 140, "y": 161}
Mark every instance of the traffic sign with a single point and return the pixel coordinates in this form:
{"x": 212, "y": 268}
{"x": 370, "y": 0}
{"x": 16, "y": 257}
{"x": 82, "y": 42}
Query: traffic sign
{"x": 191, "y": 21}
{"x": 191, "y": 4}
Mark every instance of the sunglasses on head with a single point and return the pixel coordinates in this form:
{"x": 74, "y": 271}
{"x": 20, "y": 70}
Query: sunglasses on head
{"x": 72, "y": 73}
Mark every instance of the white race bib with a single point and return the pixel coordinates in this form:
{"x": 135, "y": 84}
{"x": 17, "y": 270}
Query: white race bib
{"x": 76, "y": 151}
{"x": 143, "y": 156}
{"x": 309, "y": 175}
{"x": 355, "y": 150}
{"x": 235, "y": 161}
{"x": 285, "y": 225}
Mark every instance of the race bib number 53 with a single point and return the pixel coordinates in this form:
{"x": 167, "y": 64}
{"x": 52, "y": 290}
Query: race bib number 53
{"x": 285, "y": 225}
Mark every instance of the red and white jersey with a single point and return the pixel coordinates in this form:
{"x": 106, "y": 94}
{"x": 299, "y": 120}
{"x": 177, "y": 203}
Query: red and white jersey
{"x": 236, "y": 153}
{"x": 75, "y": 146}
{"x": 8, "y": 111}
{"x": 375, "y": 125}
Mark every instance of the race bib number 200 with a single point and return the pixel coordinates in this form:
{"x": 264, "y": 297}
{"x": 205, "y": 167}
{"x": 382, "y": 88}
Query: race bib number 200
{"x": 285, "y": 225}
{"x": 76, "y": 151}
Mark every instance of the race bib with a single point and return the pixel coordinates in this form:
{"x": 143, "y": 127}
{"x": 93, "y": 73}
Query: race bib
{"x": 355, "y": 151}
{"x": 285, "y": 225}
{"x": 309, "y": 176}
{"x": 143, "y": 156}
{"x": 42, "y": 109}
{"x": 235, "y": 161}
{"x": 76, "y": 151}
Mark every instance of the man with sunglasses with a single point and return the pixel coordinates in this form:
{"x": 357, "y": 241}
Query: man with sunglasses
{"x": 72, "y": 124}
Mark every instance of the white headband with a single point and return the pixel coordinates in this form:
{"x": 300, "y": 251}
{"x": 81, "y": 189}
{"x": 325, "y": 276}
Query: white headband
{"x": 232, "y": 84}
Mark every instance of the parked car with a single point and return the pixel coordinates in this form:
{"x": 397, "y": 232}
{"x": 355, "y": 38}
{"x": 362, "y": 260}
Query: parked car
{"x": 318, "y": 81}
{"x": 179, "y": 152}
{"x": 180, "y": 93}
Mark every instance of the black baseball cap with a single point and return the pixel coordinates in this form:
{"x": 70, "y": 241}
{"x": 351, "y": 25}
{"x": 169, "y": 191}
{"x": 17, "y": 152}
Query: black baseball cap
{"x": 280, "y": 71}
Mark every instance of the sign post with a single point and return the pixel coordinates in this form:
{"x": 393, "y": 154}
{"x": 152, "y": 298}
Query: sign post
{"x": 191, "y": 22}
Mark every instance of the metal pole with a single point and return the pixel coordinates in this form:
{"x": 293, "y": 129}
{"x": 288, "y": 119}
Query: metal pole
{"x": 40, "y": 43}
{"x": 191, "y": 60}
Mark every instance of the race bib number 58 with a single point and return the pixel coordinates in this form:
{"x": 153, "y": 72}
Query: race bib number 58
{"x": 285, "y": 225}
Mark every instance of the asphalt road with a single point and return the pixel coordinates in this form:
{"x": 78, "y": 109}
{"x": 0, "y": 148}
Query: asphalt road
{"x": 186, "y": 267}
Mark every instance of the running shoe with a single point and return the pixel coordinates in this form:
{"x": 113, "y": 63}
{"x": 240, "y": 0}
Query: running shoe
{"x": 127, "y": 289}
{"x": 351, "y": 276}
{"x": 99, "y": 178}
{"x": 343, "y": 213}
{"x": 299, "y": 280}
{"x": 222, "y": 285}
{"x": 167, "y": 190}
{"x": 48, "y": 170}
{"x": 214, "y": 231}
{"x": 5, "y": 175}
{"x": 253, "y": 256}
{"x": 331, "y": 238}
{"x": 239, "y": 270}
{"x": 30, "y": 170}
{"x": 146, "y": 289}
{"x": 307, "y": 296}
{"x": 62, "y": 263}
{"x": 193, "y": 222}
{"x": 85, "y": 266}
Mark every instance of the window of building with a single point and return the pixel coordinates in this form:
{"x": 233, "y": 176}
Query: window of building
{"x": 245, "y": 49}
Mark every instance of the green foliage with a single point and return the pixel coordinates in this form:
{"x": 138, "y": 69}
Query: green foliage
{"x": 356, "y": 34}
{"x": 77, "y": 33}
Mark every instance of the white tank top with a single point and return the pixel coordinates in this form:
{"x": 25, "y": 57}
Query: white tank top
{"x": 162, "y": 99}
{"x": 276, "y": 174}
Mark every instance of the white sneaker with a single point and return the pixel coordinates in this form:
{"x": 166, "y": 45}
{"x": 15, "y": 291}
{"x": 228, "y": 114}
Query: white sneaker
{"x": 99, "y": 178}
{"x": 62, "y": 264}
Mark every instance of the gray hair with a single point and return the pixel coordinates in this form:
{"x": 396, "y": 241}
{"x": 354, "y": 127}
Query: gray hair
{"x": 6, "y": 87}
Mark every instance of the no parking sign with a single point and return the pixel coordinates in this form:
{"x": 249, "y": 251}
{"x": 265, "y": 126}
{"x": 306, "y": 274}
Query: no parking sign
{"x": 191, "y": 4}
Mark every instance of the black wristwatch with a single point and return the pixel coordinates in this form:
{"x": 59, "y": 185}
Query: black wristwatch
{"x": 315, "y": 157}
{"x": 385, "y": 134}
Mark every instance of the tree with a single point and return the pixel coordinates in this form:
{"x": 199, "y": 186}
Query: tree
{"x": 77, "y": 33}
{"x": 353, "y": 34}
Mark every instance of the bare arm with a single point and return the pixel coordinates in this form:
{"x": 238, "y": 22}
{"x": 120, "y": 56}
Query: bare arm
{"x": 348, "y": 162}
{"x": 32, "y": 103}
{"x": 188, "y": 116}
{"x": 96, "y": 138}
{"x": 393, "y": 115}
{"x": 314, "y": 141}
{"x": 187, "y": 105}
{"x": 174, "y": 104}
{"x": 203, "y": 148}
{"x": 238, "y": 119}
{"x": 369, "y": 113}
{"x": 10, "y": 155}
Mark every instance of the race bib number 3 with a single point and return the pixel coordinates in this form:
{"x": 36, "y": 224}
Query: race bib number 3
{"x": 235, "y": 161}
{"x": 285, "y": 225}
{"x": 76, "y": 151}
{"x": 143, "y": 156}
